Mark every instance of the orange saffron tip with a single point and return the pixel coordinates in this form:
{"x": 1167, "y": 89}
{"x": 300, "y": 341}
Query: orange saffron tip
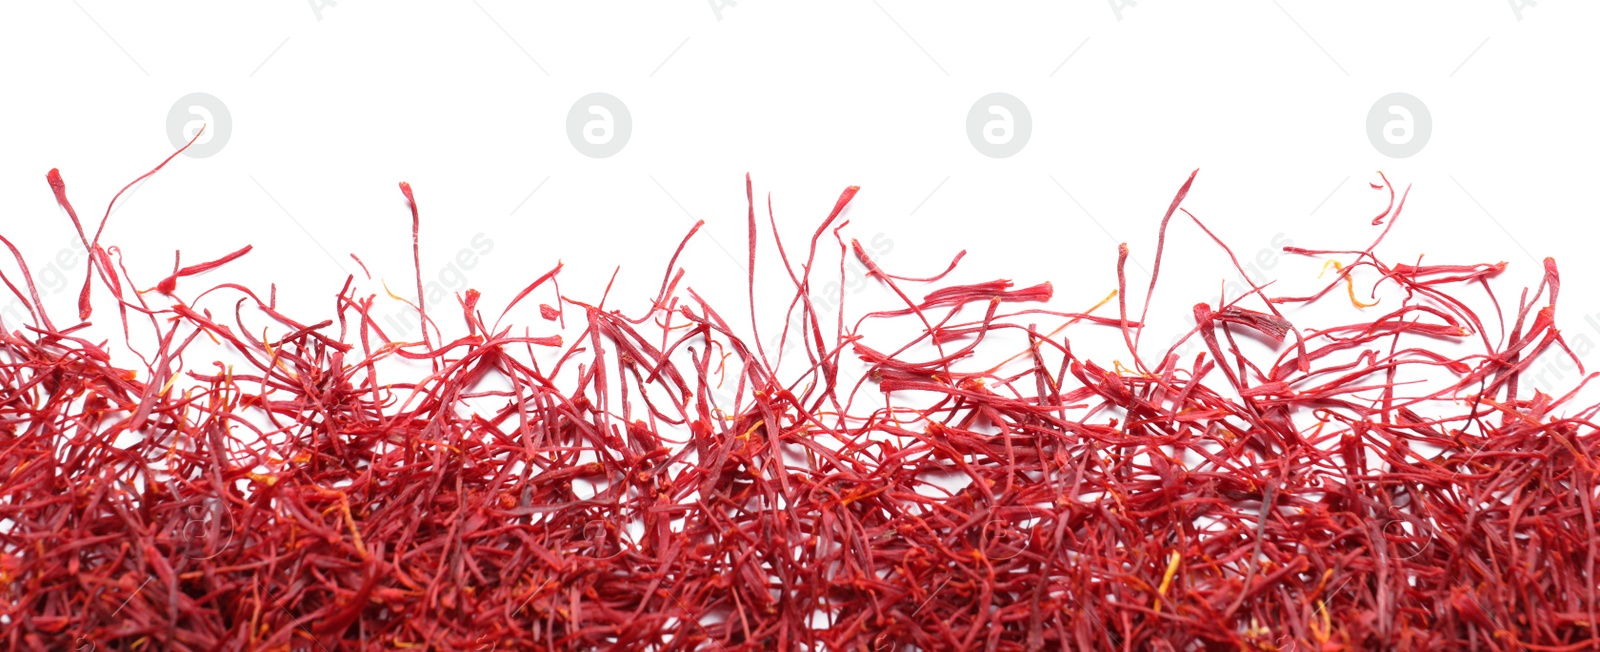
{"x": 1349, "y": 285}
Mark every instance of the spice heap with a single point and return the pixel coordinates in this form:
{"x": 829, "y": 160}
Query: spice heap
{"x": 669, "y": 485}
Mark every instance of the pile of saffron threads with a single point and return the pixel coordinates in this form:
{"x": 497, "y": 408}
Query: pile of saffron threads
{"x": 664, "y": 487}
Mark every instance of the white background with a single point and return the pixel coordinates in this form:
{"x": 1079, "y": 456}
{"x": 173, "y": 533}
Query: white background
{"x": 467, "y": 100}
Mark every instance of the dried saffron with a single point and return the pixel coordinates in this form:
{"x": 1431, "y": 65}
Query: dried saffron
{"x": 667, "y": 485}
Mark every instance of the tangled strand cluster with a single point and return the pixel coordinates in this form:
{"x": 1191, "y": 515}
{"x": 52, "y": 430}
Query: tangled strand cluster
{"x": 668, "y": 485}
